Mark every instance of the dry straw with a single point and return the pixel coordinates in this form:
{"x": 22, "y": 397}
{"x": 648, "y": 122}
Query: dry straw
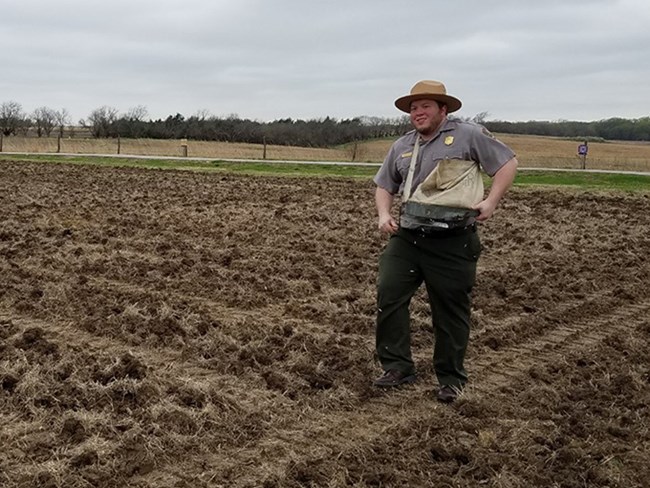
{"x": 532, "y": 151}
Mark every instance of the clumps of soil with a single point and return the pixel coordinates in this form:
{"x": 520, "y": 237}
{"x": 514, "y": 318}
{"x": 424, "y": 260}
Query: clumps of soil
{"x": 127, "y": 366}
{"x": 73, "y": 430}
{"x": 135, "y": 457}
{"x": 165, "y": 328}
{"x": 188, "y": 396}
{"x": 9, "y": 382}
{"x": 84, "y": 458}
{"x": 33, "y": 339}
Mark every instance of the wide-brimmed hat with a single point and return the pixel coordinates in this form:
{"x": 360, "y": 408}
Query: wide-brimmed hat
{"x": 429, "y": 89}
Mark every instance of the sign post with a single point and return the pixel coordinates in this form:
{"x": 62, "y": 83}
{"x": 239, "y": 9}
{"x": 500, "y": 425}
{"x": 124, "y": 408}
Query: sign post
{"x": 583, "y": 149}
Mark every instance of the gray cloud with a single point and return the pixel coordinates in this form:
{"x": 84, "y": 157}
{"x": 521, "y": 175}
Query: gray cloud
{"x": 565, "y": 59}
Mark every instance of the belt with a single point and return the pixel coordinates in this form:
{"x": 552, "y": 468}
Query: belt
{"x": 432, "y": 232}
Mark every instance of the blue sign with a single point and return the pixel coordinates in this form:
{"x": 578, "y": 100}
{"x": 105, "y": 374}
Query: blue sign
{"x": 583, "y": 149}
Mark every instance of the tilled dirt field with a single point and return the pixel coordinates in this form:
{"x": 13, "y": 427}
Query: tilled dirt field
{"x": 175, "y": 329}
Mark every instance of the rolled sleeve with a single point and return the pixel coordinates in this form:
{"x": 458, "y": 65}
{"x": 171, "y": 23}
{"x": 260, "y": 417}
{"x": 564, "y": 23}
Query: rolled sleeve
{"x": 388, "y": 177}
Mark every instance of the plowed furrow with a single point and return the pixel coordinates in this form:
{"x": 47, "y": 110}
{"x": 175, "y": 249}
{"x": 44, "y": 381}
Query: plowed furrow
{"x": 555, "y": 345}
{"x": 369, "y": 423}
{"x": 409, "y": 408}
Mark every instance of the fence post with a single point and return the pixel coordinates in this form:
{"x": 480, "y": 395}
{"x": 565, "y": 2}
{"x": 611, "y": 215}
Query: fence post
{"x": 0, "y": 142}
{"x": 118, "y": 145}
{"x": 58, "y": 144}
{"x": 184, "y": 147}
{"x": 264, "y": 153}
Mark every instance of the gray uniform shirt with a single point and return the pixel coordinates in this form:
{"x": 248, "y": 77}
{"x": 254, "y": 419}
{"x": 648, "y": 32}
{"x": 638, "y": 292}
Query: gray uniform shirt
{"x": 455, "y": 140}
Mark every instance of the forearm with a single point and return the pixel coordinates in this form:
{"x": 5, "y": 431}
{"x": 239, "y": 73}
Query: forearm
{"x": 384, "y": 202}
{"x": 502, "y": 180}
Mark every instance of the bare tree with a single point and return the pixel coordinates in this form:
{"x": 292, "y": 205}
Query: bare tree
{"x": 137, "y": 113}
{"x": 62, "y": 119}
{"x": 481, "y": 117}
{"x": 12, "y": 118}
{"x": 203, "y": 114}
{"x": 101, "y": 120}
{"x": 45, "y": 120}
{"x": 132, "y": 124}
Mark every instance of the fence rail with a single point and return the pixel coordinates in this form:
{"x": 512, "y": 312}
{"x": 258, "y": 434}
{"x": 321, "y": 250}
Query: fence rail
{"x": 532, "y": 151}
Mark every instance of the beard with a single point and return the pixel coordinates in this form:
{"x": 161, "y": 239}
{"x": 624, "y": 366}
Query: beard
{"x": 430, "y": 127}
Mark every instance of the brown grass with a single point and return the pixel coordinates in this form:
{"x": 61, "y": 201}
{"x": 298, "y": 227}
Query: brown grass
{"x": 158, "y": 147}
{"x": 553, "y": 152}
{"x": 532, "y": 151}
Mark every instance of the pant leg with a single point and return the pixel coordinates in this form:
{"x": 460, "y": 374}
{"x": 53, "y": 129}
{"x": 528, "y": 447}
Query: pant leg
{"x": 398, "y": 280}
{"x": 449, "y": 268}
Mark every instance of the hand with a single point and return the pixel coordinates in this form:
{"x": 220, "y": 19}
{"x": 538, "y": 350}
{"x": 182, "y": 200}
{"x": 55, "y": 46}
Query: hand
{"x": 387, "y": 224}
{"x": 486, "y": 209}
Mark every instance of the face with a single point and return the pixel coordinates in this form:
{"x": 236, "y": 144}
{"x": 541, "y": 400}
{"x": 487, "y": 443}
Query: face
{"x": 427, "y": 115}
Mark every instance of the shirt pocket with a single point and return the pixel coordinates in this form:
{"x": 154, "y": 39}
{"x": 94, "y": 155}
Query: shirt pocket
{"x": 454, "y": 153}
{"x": 403, "y": 164}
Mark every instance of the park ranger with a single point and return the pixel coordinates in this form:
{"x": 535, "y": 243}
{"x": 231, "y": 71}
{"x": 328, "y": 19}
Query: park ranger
{"x": 436, "y": 169}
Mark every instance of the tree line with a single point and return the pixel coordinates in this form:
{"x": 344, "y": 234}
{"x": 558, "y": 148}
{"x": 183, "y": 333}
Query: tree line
{"x": 106, "y": 122}
{"x": 325, "y": 132}
{"x": 607, "y": 129}
{"x": 43, "y": 120}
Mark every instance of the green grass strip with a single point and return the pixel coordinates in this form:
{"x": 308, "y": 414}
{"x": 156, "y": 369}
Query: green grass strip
{"x": 584, "y": 180}
{"x": 575, "y": 179}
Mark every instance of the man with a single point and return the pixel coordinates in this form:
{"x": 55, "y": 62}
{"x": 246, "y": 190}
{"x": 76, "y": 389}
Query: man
{"x": 436, "y": 168}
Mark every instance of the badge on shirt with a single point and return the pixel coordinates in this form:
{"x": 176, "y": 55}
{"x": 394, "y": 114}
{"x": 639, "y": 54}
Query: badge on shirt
{"x": 449, "y": 140}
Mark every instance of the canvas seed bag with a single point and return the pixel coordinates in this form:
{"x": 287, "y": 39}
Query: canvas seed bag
{"x": 453, "y": 183}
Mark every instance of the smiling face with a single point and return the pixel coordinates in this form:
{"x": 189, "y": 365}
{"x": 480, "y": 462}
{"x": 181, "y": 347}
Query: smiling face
{"x": 427, "y": 116}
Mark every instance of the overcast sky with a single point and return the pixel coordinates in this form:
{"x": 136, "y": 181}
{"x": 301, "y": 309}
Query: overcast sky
{"x": 305, "y": 59}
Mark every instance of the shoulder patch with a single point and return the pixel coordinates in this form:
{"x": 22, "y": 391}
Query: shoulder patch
{"x": 487, "y": 132}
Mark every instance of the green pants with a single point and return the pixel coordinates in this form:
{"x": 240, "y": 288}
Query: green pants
{"x": 447, "y": 265}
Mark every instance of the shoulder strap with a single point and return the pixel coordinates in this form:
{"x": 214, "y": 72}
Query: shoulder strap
{"x": 406, "y": 194}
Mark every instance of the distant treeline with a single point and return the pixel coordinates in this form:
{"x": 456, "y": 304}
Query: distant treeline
{"x": 329, "y": 132}
{"x": 325, "y": 132}
{"x": 106, "y": 122}
{"x": 608, "y": 129}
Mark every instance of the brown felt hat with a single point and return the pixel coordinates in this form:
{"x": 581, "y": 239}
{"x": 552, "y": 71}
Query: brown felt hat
{"x": 431, "y": 90}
